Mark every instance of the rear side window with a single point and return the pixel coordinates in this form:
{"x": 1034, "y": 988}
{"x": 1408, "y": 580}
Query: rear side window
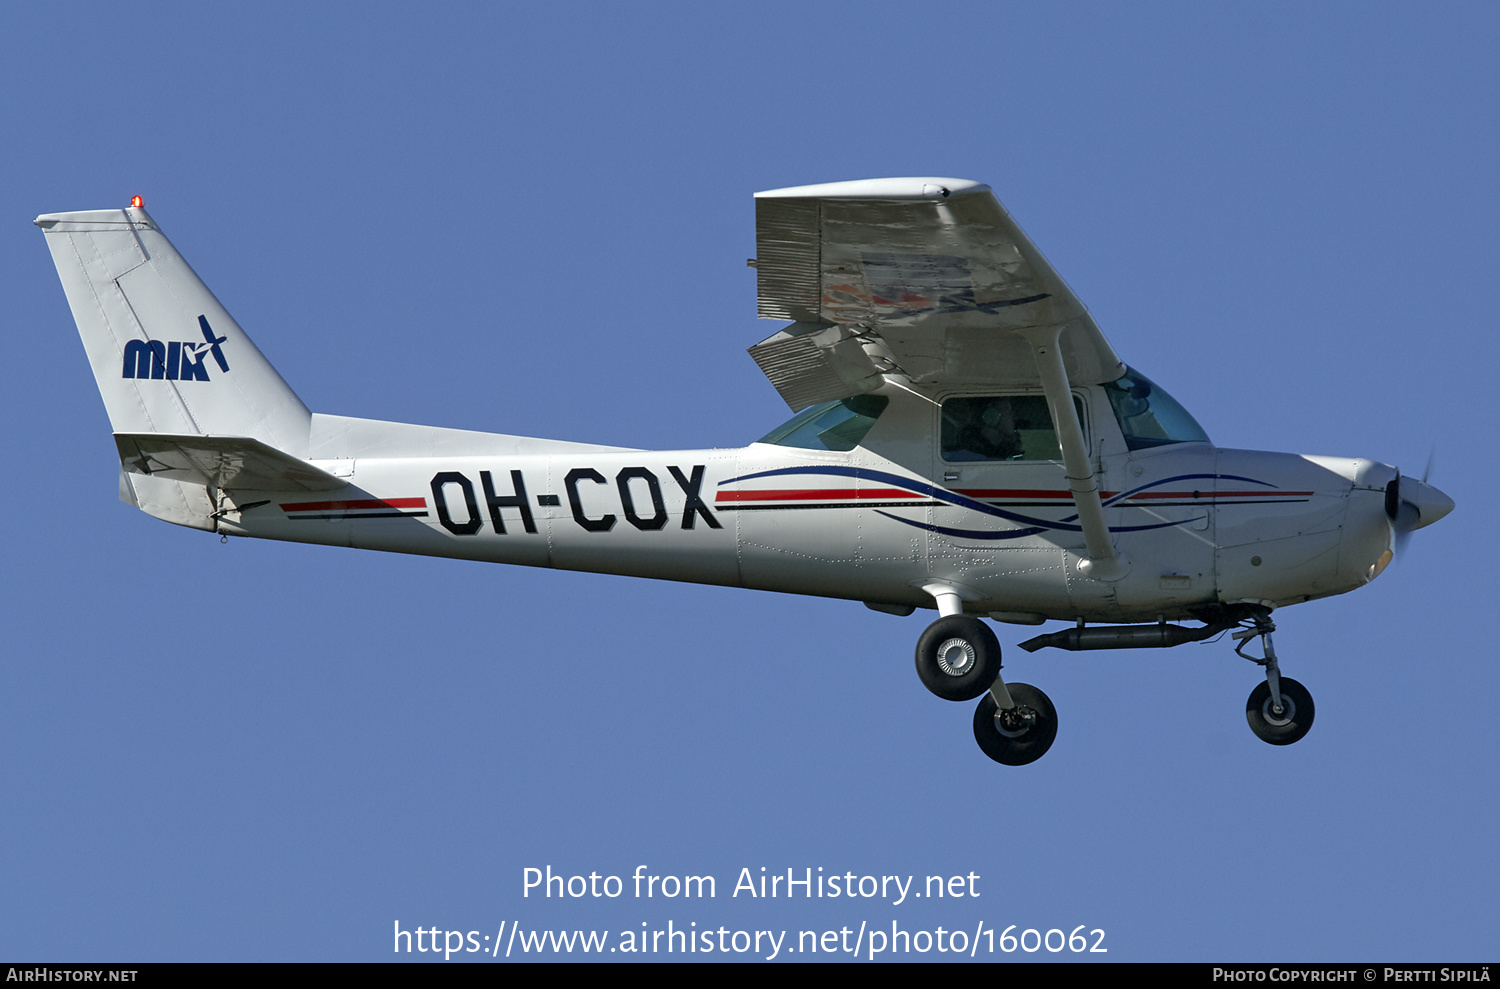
{"x": 838, "y": 426}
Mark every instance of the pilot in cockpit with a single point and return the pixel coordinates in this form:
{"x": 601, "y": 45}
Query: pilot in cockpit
{"x": 983, "y": 429}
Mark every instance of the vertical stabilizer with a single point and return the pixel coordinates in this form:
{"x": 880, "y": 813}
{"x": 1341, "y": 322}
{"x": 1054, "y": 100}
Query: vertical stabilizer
{"x": 168, "y": 358}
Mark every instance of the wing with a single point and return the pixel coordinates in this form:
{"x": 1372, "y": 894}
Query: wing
{"x": 922, "y": 279}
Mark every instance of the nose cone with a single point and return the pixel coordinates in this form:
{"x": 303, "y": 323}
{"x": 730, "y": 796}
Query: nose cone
{"x": 1430, "y": 503}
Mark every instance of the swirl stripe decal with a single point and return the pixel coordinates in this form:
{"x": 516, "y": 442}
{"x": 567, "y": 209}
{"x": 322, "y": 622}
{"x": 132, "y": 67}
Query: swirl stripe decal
{"x": 1031, "y": 525}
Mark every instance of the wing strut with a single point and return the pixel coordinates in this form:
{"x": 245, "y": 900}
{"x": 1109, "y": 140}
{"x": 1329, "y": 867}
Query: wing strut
{"x": 1103, "y": 562}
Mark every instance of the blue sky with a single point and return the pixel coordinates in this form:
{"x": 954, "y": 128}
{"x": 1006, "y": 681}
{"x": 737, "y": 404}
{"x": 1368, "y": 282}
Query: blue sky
{"x": 534, "y": 220}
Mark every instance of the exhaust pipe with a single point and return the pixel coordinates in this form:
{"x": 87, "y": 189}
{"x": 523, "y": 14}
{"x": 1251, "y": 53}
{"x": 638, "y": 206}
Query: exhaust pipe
{"x": 1123, "y": 637}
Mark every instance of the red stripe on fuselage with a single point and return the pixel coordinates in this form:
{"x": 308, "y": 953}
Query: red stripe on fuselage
{"x": 815, "y": 494}
{"x": 339, "y": 506}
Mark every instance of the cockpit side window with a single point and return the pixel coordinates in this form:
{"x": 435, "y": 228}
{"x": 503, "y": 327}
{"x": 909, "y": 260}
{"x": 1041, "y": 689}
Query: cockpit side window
{"x": 837, "y": 426}
{"x": 1148, "y": 416}
{"x": 1000, "y": 427}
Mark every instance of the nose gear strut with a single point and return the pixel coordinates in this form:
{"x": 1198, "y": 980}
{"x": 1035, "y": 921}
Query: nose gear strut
{"x": 1261, "y": 627}
{"x": 1280, "y": 711}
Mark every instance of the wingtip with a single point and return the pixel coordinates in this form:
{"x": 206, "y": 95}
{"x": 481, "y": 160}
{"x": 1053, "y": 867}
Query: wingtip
{"x": 916, "y": 188}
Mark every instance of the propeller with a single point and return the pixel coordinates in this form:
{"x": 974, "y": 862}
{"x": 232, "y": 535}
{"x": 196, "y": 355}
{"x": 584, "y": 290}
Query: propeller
{"x": 1411, "y": 504}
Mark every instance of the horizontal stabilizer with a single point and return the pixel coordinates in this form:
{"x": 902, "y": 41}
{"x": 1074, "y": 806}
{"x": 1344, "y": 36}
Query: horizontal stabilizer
{"x": 236, "y": 463}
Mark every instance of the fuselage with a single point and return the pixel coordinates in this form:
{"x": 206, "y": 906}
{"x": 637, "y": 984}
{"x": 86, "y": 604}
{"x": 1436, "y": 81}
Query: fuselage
{"x": 1199, "y": 527}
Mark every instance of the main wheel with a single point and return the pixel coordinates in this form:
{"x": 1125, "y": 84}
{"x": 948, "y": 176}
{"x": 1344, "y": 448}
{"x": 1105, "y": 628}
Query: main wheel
{"x": 1294, "y": 720}
{"x": 958, "y": 657}
{"x": 1018, "y": 736}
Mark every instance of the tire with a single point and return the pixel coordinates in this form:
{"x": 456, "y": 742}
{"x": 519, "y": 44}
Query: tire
{"x": 1291, "y": 724}
{"x": 958, "y": 657}
{"x": 1016, "y": 746}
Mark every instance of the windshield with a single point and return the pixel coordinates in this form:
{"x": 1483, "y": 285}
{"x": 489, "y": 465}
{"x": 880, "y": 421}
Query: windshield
{"x": 836, "y": 426}
{"x": 1149, "y": 416}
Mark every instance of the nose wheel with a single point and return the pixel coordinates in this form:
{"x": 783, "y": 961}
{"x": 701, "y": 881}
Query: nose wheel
{"x": 1287, "y": 725}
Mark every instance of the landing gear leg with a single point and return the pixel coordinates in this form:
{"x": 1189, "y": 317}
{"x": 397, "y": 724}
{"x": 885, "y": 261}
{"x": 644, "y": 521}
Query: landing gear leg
{"x": 1280, "y": 711}
{"x": 958, "y": 658}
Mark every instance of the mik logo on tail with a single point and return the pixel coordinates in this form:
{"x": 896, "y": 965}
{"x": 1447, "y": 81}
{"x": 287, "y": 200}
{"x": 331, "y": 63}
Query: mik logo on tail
{"x": 175, "y": 361}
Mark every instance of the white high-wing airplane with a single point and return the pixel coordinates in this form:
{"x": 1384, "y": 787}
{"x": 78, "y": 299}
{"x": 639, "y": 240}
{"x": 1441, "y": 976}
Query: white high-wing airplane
{"x": 965, "y": 439}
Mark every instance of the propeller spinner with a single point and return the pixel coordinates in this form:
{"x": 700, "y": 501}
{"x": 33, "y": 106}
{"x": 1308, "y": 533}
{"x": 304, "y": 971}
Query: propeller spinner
{"x": 1412, "y": 504}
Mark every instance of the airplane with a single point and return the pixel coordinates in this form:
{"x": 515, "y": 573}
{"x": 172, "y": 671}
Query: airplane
{"x": 965, "y": 440}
